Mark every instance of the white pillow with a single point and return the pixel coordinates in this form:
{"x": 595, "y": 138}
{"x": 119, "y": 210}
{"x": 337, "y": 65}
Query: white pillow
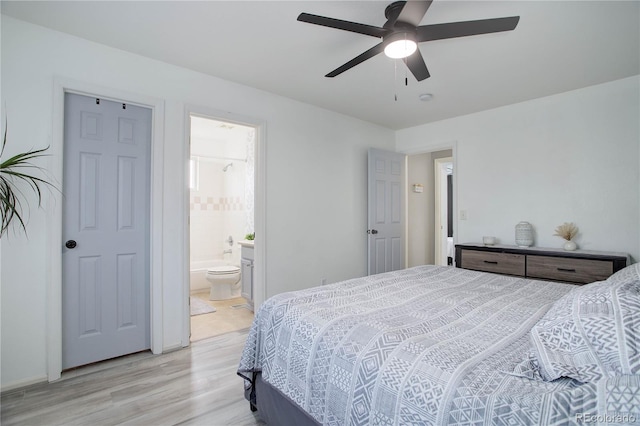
{"x": 592, "y": 331}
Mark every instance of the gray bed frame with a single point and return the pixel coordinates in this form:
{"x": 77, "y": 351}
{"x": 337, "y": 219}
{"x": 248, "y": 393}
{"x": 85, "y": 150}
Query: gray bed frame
{"x": 273, "y": 407}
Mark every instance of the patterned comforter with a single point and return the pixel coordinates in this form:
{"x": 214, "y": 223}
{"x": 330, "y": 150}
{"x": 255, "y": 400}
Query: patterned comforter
{"x": 422, "y": 346}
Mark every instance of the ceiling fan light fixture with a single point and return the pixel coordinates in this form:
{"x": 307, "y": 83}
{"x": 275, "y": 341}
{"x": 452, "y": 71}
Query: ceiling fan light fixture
{"x": 400, "y": 45}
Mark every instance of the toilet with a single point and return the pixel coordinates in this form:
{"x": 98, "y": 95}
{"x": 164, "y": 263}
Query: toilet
{"x": 225, "y": 282}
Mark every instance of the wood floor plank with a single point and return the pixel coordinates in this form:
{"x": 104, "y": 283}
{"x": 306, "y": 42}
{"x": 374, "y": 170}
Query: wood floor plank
{"x": 193, "y": 386}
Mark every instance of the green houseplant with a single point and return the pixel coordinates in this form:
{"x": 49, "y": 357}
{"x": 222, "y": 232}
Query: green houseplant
{"x": 13, "y": 171}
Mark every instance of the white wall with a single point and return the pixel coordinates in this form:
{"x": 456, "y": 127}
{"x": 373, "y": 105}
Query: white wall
{"x": 419, "y": 210}
{"x": 572, "y": 157}
{"x": 315, "y": 179}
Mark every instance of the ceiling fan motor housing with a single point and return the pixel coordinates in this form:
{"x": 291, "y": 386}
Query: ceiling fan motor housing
{"x": 393, "y": 9}
{"x": 399, "y": 35}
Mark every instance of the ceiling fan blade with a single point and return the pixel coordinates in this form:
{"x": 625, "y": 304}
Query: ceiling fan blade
{"x": 416, "y": 65}
{"x": 465, "y": 28}
{"x": 354, "y": 27}
{"x": 378, "y": 48}
{"x": 413, "y": 12}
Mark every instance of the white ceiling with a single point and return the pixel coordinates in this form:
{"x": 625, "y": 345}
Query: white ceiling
{"x": 558, "y": 46}
{"x": 224, "y": 141}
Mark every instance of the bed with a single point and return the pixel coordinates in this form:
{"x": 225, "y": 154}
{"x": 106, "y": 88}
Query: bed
{"x": 435, "y": 345}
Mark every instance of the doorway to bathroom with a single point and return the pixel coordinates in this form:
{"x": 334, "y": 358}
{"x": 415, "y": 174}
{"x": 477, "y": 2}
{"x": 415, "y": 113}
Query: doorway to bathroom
{"x": 221, "y": 226}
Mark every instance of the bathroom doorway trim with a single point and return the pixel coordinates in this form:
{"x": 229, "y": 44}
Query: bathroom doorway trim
{"x": 260, "y": 173}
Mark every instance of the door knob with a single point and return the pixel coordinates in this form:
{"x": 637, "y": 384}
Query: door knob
{"x": 70, "y": 244}
{"x": 372, "y": 231}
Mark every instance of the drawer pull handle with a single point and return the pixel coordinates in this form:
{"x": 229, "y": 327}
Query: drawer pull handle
{"x": 492, "y": 262}
{"x": 566, "y": 270}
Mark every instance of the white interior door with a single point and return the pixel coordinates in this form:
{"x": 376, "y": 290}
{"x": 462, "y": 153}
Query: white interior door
{"x": 105, "y": 260}
{"x": 386, "y": 173}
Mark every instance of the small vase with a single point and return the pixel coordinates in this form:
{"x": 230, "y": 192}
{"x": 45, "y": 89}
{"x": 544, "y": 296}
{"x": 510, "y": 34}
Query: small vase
{"x": 570, "y": 245}
{"x": 524, "y": 234}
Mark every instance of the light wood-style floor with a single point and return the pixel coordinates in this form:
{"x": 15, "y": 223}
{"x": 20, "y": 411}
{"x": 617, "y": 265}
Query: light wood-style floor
{"x": 192, "y": 386}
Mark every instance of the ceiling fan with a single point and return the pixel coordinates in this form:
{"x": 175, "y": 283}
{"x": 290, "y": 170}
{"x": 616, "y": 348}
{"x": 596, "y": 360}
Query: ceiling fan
{"x": 401, "y": 34}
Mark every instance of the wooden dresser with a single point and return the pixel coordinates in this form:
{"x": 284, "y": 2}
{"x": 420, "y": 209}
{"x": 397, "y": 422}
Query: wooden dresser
{"x": 577, "y": 267}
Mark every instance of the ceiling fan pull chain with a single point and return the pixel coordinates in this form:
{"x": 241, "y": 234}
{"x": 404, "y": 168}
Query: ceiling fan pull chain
{"x": 395, "y": 77}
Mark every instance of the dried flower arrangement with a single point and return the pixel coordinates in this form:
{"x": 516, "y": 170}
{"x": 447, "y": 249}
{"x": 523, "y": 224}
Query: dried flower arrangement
{"x": 567, "y": 231}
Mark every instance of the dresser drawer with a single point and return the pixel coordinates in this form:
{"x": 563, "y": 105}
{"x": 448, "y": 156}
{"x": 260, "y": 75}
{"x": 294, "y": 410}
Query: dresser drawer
{"x": 568, "y": 269}
{"x": 499, "y": 263}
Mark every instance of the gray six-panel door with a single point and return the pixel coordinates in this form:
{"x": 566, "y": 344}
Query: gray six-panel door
{"x": 106, "y": 284}
{"x": 386, "y": 245}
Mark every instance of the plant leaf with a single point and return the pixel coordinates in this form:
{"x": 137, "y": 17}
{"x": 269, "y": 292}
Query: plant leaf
{"x": 12, "y": 171}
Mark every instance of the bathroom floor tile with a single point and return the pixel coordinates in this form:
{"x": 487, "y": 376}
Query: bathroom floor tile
{"x": 224, "y": 320}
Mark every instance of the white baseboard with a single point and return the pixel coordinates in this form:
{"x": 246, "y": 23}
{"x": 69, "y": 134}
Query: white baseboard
{"x": 172, "y": 348}
{"x": 23, "y": 383}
